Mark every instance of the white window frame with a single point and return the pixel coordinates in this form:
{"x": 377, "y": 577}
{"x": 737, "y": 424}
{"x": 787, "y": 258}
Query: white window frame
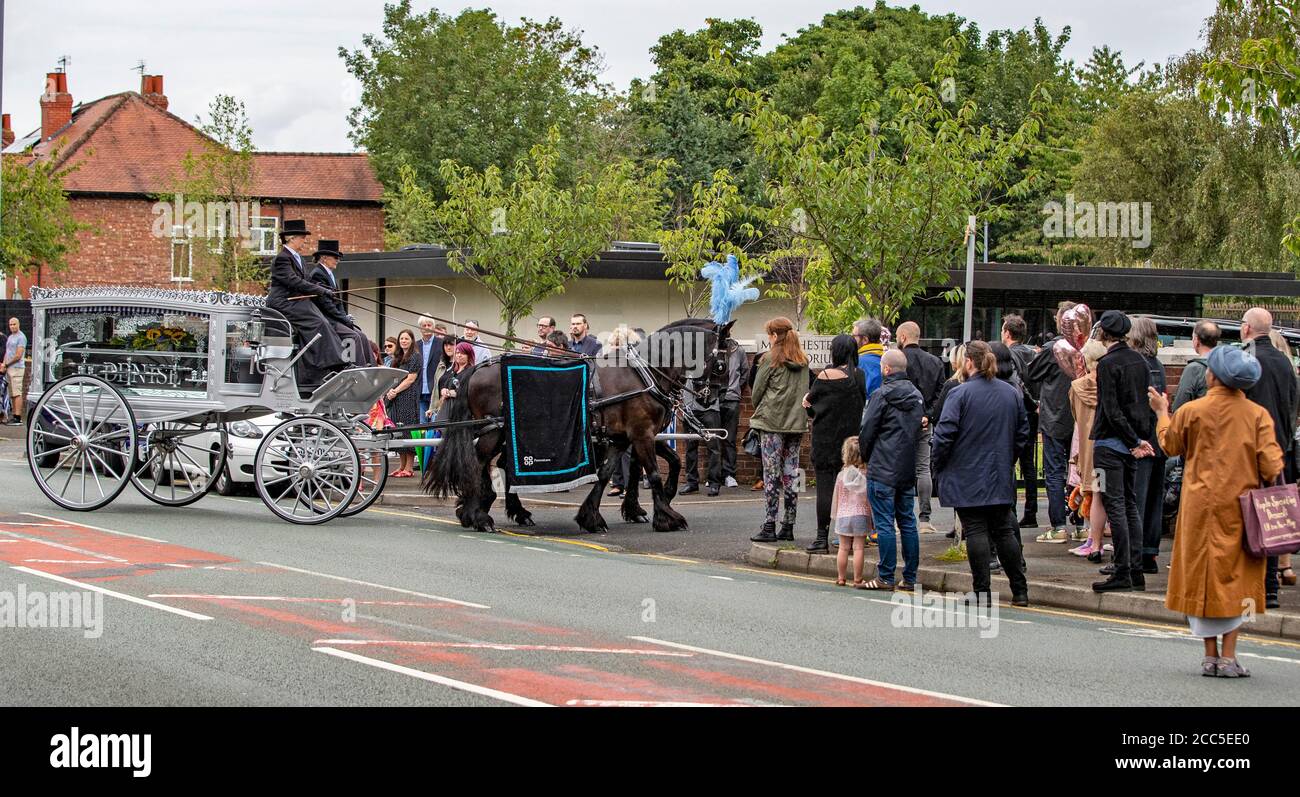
{"x": 180, "y": 237}
{"x": 217, "y": 239}
{"x": 266, "y": 245}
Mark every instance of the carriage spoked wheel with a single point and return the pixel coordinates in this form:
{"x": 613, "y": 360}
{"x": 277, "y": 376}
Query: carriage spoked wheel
{"x": 307, "y": 471}
{"x": 80, "y": 442}
{"x": 176, "y": 464}
{"x": 374, "y": 470}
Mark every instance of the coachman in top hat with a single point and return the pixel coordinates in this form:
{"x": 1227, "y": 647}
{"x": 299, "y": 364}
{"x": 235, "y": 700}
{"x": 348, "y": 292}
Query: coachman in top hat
{"x": 327, "y": 256}
{"x": 289, "y": 279}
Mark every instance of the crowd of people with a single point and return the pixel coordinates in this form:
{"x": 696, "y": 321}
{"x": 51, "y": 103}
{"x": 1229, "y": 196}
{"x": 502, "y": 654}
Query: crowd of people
{"x": 894, "y": 428}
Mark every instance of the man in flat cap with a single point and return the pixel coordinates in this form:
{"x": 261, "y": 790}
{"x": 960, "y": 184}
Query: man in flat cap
{"x": 289, "y": 279}
{"x": 327, "y": 256}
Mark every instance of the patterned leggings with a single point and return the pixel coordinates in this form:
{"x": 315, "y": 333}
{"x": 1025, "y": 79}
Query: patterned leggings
{"x": 780, "y": 469}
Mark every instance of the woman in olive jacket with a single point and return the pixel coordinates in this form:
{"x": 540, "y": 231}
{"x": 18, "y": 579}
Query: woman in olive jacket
{"x": 779, "y": 387}
{"x": 834, "y": 403}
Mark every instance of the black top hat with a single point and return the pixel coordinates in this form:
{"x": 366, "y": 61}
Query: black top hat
{"x": 327, "y": 247}
{"x": 294, "y": 227}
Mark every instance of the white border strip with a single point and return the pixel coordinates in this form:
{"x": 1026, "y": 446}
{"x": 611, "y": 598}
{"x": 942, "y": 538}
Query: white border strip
{"x": 67, "y": 523}
{"x": 377, "y": 586}
{"x": 822, "y": 673}
{"x": 112, "y": 594}
{"x": 518, "y": 700}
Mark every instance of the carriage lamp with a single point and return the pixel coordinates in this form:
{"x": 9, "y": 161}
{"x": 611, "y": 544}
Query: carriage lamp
{"x": 256, "y": 328}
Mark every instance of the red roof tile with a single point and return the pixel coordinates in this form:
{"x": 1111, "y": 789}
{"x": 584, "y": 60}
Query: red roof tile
{"x": 124, "y": 144}
{"x": 317, "y": 175}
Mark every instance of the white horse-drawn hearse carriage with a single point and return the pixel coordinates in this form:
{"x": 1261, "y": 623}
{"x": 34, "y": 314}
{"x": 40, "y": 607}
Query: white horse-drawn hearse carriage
{"x": 137, "y": 385}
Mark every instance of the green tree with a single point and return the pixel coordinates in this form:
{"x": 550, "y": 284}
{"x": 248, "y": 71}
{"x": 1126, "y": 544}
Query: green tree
{"x": 718, "y": 223}
{"x": 681, "y": 111}
{"x": 889, "y": 224}
{"x": 1221, "y": 192}
{"x": 468, "y": 88}
{"x": 220, "y": 175}
{"x": 36, "y": 223}
{"x": 1254, "y": 71}
{"x": 523, "y": 239}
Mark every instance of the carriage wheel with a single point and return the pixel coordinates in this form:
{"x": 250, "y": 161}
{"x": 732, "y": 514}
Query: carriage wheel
{"x": 307, "y": 471}
{"x": 176, "y": 464}
{"x": 80, "y": 440}
{"x": 374, "y": 472}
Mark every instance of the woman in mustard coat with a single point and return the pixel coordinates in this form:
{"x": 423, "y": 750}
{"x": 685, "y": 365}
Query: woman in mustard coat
{"x": 1228, "y": 447}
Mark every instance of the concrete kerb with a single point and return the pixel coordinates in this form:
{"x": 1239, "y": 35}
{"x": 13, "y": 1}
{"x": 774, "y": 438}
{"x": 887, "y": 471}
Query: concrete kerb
{"x": 1134, "y": 605}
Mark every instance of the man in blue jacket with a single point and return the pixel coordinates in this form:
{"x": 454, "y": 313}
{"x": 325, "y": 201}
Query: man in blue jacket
{"x": 890, "y": 428}
{"x": 867, "y": 332}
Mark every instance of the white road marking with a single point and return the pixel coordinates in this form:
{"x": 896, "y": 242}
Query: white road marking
{"x": 73, "y": 523}
{"x": 107, "y": 559}
{"x": 508, "y": 697}
{"x": 377, "y": 586}
{"x": 500, "y": 646}
{"x": 535, "y": 548}
{"x": 723, "y": 578}
{"x": 35, "y": 525}
{"x": 68, "y": 561}
{"x": 112, "y": 594}
{"x": 811, "y": 671}
{"x": 287, "y": 599}
{"x": 946, "y": 609}
{"x": 1268, "y": 658}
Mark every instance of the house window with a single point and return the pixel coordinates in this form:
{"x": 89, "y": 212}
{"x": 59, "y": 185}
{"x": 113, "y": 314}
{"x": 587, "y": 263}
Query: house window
{"x": 182, "y": 255}
{"x": 264, "y": 234}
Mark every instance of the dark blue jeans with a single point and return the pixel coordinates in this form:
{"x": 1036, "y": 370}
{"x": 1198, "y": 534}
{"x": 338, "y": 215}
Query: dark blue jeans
{"x": 890, "y": 505}
{"x": 1056, "y": 459}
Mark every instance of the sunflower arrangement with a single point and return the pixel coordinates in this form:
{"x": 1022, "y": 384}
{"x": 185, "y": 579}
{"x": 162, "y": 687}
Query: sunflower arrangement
{"x": 162, "y": 338}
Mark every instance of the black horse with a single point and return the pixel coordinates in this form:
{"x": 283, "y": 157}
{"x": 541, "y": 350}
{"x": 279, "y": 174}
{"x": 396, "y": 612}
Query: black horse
{"x": 634, "y": 394}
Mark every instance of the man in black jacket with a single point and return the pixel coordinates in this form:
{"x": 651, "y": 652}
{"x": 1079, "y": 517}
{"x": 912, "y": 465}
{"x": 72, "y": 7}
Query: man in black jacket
{"x": 1121, "y": 434}
{"x": 289, "y": 279}
{"x": 1276, "y": 392}
{"x": 890, "y": 428}
{"x": 355, "y": 342}
{"x": 928, "y": 373}
{"x": 1014, "y": 332}
{"x": 1049, "y": 385}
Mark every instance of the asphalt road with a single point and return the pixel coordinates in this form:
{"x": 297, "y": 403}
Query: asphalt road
{"x": 221, "y": 604}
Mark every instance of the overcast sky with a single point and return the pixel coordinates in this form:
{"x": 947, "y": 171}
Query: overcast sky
{"x": 281, "y": 58}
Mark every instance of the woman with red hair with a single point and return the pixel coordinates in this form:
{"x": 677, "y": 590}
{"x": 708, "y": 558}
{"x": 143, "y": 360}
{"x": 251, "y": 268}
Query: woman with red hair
{"x": 780, "y": 383}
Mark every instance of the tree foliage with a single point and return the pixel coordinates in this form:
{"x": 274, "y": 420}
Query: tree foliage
{"x": 467, "y": 88}
{"x": 221, "y": 173}
{"x": 36, "y": 224}
{"x": 522, "y": 239}
{"x": 890, "y": 223}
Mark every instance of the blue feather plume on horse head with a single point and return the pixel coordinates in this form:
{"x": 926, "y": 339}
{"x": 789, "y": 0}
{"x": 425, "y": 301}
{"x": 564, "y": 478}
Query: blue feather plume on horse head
{"x": 727, "y": 290}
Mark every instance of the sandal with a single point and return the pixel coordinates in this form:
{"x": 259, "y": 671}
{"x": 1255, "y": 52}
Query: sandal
{"x": 1288, "y": 580}
{"x": 1230, "y": 668}
{"x": 839, "y": 582}
{"x": 874, "y": 584}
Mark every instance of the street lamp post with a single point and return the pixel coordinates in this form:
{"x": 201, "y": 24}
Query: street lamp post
{"x": 970, "y": 279}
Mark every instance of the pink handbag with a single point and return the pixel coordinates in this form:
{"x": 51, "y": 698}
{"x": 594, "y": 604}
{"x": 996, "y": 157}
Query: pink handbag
{"x": 1272, "y": 520}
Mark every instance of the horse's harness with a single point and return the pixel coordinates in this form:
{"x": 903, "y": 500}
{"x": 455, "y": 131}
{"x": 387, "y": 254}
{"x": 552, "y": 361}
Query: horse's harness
{"x": 673, "y": 400}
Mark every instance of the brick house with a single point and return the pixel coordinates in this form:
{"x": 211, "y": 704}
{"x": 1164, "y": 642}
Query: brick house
{"x": 128, "y": 150}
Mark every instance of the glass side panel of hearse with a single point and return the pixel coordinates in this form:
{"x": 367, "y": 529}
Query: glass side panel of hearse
{"x": 142, "y": 351}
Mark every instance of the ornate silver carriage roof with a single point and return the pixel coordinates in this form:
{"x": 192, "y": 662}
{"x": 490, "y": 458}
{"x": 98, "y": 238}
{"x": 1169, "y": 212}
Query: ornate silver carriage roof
{"x": 154, "y": 295}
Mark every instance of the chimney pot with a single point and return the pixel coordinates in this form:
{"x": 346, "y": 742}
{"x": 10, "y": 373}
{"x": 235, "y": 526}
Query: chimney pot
{"x": 56, "y": 104}
{"x": 151, "y": 88}
{"x": 8, "y": 136}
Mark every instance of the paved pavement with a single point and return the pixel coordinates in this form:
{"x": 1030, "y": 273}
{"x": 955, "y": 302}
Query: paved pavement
{"x": 220, "y": 603}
